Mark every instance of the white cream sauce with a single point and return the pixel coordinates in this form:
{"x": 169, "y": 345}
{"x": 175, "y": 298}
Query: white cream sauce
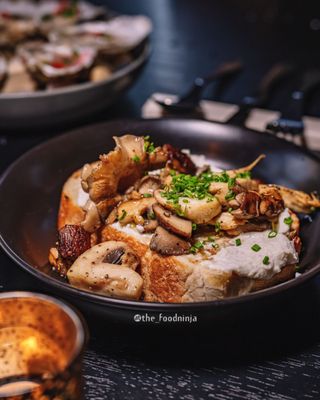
{"x": 246, "y": 262}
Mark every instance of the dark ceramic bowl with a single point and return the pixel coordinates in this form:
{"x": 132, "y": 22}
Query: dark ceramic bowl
{"x": 30, "y": 191}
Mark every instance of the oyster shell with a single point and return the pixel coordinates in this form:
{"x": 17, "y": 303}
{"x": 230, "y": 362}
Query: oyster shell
{"x": 16, "y": 23}
{"x": 57, "y": 64}
{"x": 115, "y": 36}
{"x": 3, "y": 70}
{"x": 52, "y": 15}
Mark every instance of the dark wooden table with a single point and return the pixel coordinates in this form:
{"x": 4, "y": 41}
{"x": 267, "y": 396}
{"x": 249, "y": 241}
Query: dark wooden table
{"x": 273, "y": 355}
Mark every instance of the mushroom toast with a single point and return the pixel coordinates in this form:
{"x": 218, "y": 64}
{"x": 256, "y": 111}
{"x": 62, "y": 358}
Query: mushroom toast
{"x": 161, "y": 224}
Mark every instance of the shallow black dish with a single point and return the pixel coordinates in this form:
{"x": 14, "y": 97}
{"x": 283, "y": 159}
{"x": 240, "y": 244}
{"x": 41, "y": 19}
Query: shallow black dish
{"x": 71, "y": 104}
{"x": 30, "y": 191}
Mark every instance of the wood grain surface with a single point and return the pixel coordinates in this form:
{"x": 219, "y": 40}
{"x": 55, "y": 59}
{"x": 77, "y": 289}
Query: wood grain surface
{"x": 273, "y": 355}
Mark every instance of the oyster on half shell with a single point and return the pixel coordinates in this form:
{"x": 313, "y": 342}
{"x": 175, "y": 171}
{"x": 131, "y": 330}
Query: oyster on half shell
{"x": 57, "y": 64}
{"x": 3, "y": 70}
{"x": 115, "y": 36}
{"x": 52, "y": 15}
{"x": 16, "y": 23}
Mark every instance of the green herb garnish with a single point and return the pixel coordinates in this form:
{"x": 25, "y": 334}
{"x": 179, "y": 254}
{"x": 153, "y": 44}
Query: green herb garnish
{"x": 231, "y": 182}
{"x": 196, "y": 247}
{"x": 123, "y": 215}
{"x": 272, "y": 234}
{"x": 256, "y": 247}
{"x": 266, "y": 260}
{"x": 147, "y": 195}
{"x": 194, "y": 226}
{"x": 148, "y": 145}
{"x": 230, "y": 195}
{"x": 136, "y": 159}
{"x": 288, "y": 221}
{"x": 217, "y": 227}
{"x": 244, "y": 175}
{"x": 238, "y": 242}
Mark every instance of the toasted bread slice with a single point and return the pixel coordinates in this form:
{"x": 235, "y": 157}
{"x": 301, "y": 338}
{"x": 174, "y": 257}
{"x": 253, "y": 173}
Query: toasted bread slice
{"x": 171, "y": 278}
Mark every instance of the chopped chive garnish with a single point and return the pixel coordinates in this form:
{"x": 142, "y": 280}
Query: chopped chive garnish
{"x": 288, "y": 221}
{"x": 266, "y": 260}
{"x": 230, "y": 195}
{"x": 136, "y": 159}
{"x": 147, "y": 195}
{"x": 230, "y": 209}
{"x": 231, "y": 182}
{"x": 272, "y": 234}
{"x": 194, "y": 226}
{"x": 256, "y": 247}
{"x": 123, "y": 215}
{"x": 217, "y": 227}
{"x": 196, "y": 247}
{"x": 244, "y": 175}
{"x": 196, "y": 187}
{"x": 148, "y": 145}
{"x": 210, "y": 239}
{"x": 238, "y": 242}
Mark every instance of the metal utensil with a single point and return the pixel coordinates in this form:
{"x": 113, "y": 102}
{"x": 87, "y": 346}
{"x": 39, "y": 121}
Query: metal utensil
{"x": 262, "y": 96}
{"x": 189, "y": 102}
{"x": 290, "y": 122}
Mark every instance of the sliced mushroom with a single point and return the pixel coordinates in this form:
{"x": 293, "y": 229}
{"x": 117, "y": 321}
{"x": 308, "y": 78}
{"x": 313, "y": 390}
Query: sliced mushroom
{"x": 92, "y": 219}
{"x": 248, "y": 184}
{"x": 112, "y": 217}
{"x": 150, "y": 225}
{"x": 179, "y": 161}
{"x": 172, "y": 223}
{"x": 234, "y": 172}
{"x": 167, "y": 244}
{"x": 108, "y": 268}
{"x": 220, "y": 190}
{"x": 249, "y": 202}
{"x": 133, "y": 210}
{"x": 296, "y": 200}
{"x": 198, "y": 211}
{"x": 271, "y": 204}
{"x": 252, "y": 226}
{"x": 227, "y": 221}
{"x": 149, "y": 184}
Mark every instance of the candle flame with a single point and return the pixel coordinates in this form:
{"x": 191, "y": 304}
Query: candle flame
{"x": 29, "y": 344}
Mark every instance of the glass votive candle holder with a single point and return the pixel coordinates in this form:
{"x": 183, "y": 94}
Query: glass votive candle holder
{"x": 41, "y": 347}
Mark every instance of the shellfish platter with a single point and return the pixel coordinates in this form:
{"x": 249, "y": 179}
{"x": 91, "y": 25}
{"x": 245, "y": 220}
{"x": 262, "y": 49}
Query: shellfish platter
{"x": 50, "y": 44}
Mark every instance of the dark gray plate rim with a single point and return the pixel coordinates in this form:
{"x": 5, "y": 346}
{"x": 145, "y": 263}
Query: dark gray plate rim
{"x": 131, "y": 304}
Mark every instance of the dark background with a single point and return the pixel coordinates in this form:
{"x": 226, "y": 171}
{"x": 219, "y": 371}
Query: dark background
{"x": 272, "y": 355}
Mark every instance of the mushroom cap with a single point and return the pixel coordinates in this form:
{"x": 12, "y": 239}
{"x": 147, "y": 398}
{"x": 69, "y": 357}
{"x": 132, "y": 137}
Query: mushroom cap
{"x": 167, "y": 244}
{"x": 172, "y": 222}
{"x": 108, "y": 268}
{"x": 198, "y": 211}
